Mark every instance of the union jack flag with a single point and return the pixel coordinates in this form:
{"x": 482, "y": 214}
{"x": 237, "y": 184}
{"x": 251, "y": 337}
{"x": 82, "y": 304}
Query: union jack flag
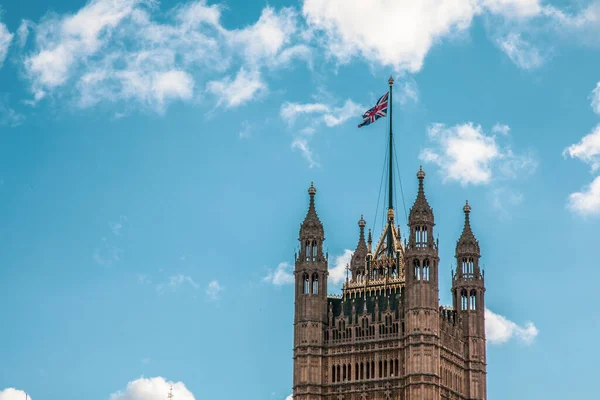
{"x": 376, "y": 112}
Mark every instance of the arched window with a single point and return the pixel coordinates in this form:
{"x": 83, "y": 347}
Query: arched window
{"x": 426, "y": 270}
{"x": 306, "y": 284}
{"x": 333, "y": 373}
{"x": 424, "y": 237}
{"x": 356, "y": 372}
{"x": 314, "y": 250}
{"x": 349, "y": 372}
{"x": 471, "y": 266}
{"x": 417, "y": 268}
{"x": 464, "y": 300}
{"x": 307, "y": 251}
{"x": 380, "y": 369}
{"x": 362, "y": 371}
{"x": 473, "y": 301}
{"x": 315, "y": 284}
{"x": 464, "y": 266}
{"x": 344, "y": 373}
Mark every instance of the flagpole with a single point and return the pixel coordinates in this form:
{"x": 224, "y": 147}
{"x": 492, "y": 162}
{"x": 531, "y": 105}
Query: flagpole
{"x": 390, "y": 196}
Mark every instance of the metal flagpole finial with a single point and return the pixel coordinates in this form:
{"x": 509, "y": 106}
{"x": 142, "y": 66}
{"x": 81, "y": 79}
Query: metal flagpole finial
{"x": 391, "y": 81}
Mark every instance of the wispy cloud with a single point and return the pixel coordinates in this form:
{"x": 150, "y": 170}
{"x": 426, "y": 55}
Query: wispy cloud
{"x": 522, "y": 53}
{"x": 301, "y": 144}
{"x": 107, "y": 254}
{"x": 117, "y": 226}
{"x": 8, "y": 116}
{"x": 117, "y": 51}
{"x": 176, "y": 281}
{"x": 499, "y": 329}
{"x": 234, "y": 92}
{"x": 5, "y": 40}
{"x": 320, "y": 114}
{"x": 213, "y": 290}
{"x": 282, "y": 275}
{"x": 152, "y": 389}
{"x": 503, "y": 198}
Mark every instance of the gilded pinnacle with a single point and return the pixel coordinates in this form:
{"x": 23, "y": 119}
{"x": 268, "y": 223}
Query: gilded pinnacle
{"x": 421, "y": 173}
{"x": 391, "y": 81}
{"x": 362, "y": 223}
{"x": 467, "y": 208}
{"x": 312, "y": 190}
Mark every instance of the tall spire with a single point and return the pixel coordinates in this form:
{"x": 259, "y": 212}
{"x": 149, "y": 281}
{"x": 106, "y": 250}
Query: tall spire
{"x": 359, "y": 257}
{"x": 312, "y": 225}
{"x": 390, "y": 238}
{"x": 421, "y": 211}
{"x": 467, "y": 243}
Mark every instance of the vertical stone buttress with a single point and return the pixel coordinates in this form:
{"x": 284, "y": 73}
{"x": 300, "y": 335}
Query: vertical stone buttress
{"x": 310, "y": 314}
{"x": 468, "y": 289}
{"x": 422, "y": 303}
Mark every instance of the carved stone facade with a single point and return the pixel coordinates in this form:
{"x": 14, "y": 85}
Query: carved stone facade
{"x": 386, "y": 337}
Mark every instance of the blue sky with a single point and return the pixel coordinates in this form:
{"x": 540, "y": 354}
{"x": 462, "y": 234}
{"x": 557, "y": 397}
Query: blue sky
{"x": 154, "y": 161}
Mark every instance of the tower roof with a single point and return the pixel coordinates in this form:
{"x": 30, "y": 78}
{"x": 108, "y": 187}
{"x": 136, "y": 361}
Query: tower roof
{"x": 421, "y": 211}
{"x": 467, "y": 243}
{"x": 312, "y": 226}
{"x": 360, "y": 254}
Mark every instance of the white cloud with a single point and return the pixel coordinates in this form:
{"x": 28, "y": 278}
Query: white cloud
{"x": 213, "y": 290}
{"x": 152, "y": 389}
{"x": 596, "y": 99}
{"x": 5, "y": 40}
{"x": 339, "y": 115}
{"x": 467, "y": 155}
{"x": 282, "y": 275}
{"x": 301, "y": 144}
{"x": 587, "y": 150}
{"x": 290, "y": 111}
{"x": 522, "y": 53}
{"x": 233, "y": 93}
{"x": 8, "y": 116}
{"x": 320, "y": 113}
{"x": 118, "y": 51}
{"x": 514, "y": 8}
{"x": 499, "y": 329}
{"x": 337, "y": 272}
{"x": 13, "y": 394}
{"x": 409, "y": 92}
{"x": 266, "y": 40}
{"x": 176, "y": 281}
{"x": 398, "y": 33}
{"x": 501, "y": 129}
{"x": 23, "y": 32}
{"x": 586, "y": 202}
{"x": 290, "y": 397}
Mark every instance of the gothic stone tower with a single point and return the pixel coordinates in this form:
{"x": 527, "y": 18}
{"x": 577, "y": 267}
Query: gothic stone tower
{"x": 386, "y": 337}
